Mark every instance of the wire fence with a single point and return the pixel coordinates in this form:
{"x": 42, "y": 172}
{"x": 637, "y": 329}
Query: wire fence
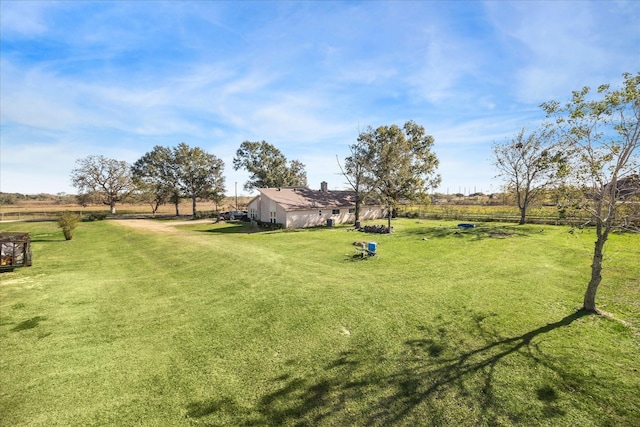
{"x": 455, "y": 213}
{"x": 494, "y": 214}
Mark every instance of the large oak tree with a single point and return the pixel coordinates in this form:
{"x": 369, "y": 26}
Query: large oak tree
{"x": 181, "y": 171}
{"x": 199, "y": 173}
{"x": 156, "y": 179}
{"x": 268, "y": 167}
{"x": 400, "y": 163}
{"x": 108, "y": 180}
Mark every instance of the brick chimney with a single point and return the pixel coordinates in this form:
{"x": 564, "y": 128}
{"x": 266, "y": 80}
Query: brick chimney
{"x": 324, "y": 187}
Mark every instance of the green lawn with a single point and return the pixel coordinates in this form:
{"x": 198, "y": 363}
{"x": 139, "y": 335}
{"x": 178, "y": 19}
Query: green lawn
{"x": 215, "y": 326}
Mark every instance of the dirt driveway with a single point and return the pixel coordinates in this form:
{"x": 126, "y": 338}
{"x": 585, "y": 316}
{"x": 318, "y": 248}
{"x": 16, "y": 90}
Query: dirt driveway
{"x": 158, "y": 226}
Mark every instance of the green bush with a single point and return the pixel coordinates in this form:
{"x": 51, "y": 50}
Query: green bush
{"x": 97, "y": 217}
{"x": 68, "y": 222}
{"x": 269, "y": 225}
{"x": 205, "y": 215}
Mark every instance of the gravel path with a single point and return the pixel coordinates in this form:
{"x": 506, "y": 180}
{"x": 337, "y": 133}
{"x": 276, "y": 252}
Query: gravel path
{"x": 158, "y": 226}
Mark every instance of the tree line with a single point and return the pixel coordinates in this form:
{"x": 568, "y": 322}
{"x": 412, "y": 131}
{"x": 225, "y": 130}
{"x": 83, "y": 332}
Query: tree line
{"x": 169, "y": 174}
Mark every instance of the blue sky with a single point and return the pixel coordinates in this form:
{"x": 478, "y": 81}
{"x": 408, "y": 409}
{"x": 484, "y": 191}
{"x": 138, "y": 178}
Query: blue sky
{"x": 117, "y": 78}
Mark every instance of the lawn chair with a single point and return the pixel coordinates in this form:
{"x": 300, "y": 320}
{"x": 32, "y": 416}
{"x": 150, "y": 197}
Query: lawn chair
{"x": 372, "y": 247}
{"x": 364, "y": 249}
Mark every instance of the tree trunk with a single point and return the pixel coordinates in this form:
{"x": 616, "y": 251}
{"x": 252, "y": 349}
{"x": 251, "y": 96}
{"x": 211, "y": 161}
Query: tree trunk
{"x": 596, "y": 275}
{"x": 112, "y": 208}
{"x": 193, "y": 205}
{"x": 389, "y": 220}
{"x": 523, "y": 216}
{"x": 177, "y": 208}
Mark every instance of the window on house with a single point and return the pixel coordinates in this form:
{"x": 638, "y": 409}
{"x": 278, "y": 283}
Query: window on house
{"x": 352, "y": 210}
{"x": 272, "y": 217}
{"x": 335, "y": 212}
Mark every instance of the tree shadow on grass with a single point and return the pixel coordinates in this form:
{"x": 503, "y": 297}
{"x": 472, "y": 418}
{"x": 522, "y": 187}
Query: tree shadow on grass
{"x": 359, "y": 255}
{"x": 423, "y": 386}
{"x": 28, "y": 324}
{"x": 228, "y": 229}
{"x": 246, "y": 228}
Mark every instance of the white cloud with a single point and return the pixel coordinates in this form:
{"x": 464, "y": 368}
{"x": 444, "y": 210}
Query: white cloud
{"x": 43, "y": 167}
{"x": 444, "y": 60}
{"x": 26, "y": 18}
{"x": 562, "y": 46}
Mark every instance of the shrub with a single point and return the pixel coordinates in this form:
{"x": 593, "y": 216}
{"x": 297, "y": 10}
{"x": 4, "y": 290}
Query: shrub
{"x": 269, "y": 225}
{"x": 68, "y": 222}
{"x": 205, "y": 215}
{"x": 97, "y": 216}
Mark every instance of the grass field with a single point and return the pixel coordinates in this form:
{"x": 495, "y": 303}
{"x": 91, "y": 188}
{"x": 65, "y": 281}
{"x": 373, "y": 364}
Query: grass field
{"x": 212, "y": 325}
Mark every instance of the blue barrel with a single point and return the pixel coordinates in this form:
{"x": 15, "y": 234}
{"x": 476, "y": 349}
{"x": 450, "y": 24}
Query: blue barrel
{"x": 371, "y": 247}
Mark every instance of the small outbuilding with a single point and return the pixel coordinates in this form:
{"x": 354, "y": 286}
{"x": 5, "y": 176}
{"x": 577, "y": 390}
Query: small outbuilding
{"x": 15, "y": 250}
{"x": 301, "y": 207}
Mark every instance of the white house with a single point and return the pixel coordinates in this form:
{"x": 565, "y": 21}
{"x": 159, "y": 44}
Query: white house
{"x": 299, "y": 207}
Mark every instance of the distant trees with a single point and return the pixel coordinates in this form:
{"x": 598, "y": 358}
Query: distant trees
{"x": 166, "y": 174}
{"x": 602, "y": 130}
{"x": 530, "y": 164}
{"x": 8, "y": 198}
{"x": 268, "y": 167}
{"x": 398, "y": 163}
{"x": 159, "y": 176}
{"x": 108, "y": 180}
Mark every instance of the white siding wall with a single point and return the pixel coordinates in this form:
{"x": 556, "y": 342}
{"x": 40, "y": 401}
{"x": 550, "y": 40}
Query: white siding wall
{"x": 372, "y": 212}
{"x": 317, "y": 217}
{"x": 281, "y": 214}
{"x": 263, "y": 206}
{"x": 264, "y": 209}
{"x": 253, "y": 209}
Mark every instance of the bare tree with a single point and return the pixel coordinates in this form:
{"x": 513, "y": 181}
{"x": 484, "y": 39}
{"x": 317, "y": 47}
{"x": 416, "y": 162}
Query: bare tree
{"x": 603, "y": 129}
{"x": 530, "y": 164}
{"x": 355, "y": 172}
{"x": 108, "y": 179}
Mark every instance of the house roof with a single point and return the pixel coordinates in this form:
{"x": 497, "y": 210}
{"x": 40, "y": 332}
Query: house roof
{"x": 301, "y": 198}
{"x": 628, "y": 186}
